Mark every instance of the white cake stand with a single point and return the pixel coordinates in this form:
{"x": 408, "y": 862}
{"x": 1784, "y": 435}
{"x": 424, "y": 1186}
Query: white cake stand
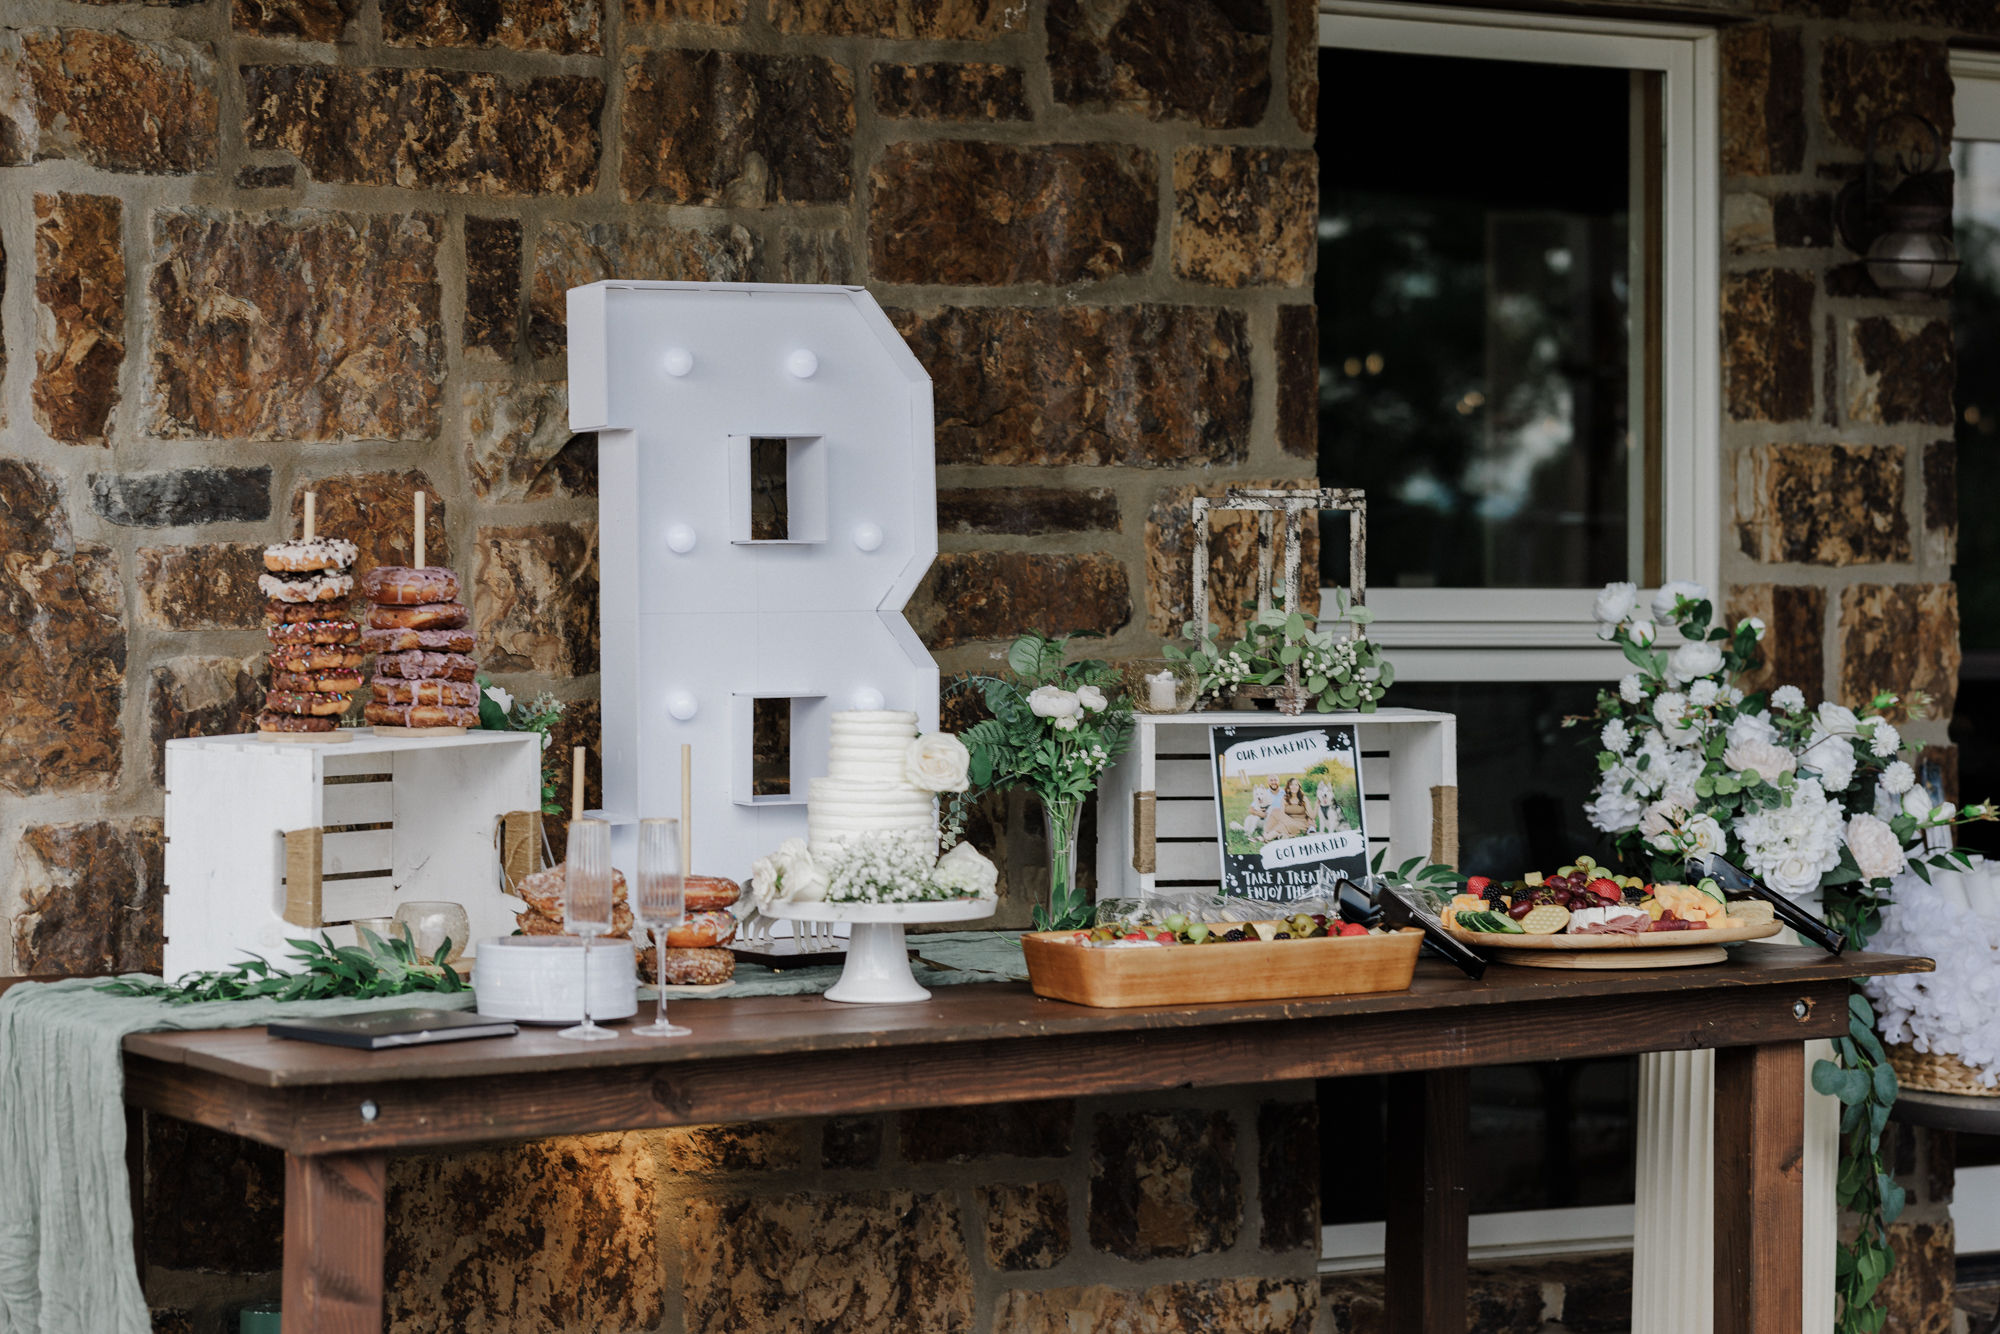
{"x": 878, "y": 960}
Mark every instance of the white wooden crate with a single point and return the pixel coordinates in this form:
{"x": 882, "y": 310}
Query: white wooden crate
{"x": 399, "y": 819}
{"x": 1409, "y": 784}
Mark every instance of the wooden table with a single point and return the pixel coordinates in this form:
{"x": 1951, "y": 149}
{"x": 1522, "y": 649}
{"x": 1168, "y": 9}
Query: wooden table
{"x": 337, "y": 1114}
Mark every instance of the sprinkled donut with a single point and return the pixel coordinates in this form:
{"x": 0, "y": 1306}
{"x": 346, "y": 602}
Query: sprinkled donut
{"x": 401, "y": 586}
{"x": 310, "y": 553}
{"x": 423, "y": 616}
{"x": 315, "y": 632}
{"x": 315, "y": 658}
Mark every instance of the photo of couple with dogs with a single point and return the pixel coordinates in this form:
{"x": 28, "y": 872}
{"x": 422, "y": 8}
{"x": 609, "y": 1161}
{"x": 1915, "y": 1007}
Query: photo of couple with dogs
{"x": 1290, "y": 805}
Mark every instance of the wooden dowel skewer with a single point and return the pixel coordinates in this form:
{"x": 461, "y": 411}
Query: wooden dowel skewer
{"x": 419, "y": 562}
{"x": 576, "y": 785}
{"x": 687, "y": 809}
{"x": 312, "y": 516}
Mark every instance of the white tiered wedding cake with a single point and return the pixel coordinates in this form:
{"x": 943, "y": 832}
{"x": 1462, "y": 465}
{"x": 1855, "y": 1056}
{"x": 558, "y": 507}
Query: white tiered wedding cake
{"x": 867, "y": 789}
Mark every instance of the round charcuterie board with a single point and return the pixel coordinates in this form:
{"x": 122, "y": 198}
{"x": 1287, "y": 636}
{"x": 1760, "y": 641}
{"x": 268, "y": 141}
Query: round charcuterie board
{"x": 1651, "y": 949}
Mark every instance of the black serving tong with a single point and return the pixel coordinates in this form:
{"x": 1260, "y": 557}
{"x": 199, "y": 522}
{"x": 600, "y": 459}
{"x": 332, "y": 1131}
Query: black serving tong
{"x": 1393, "y": 908}
{"x": 1734, "y": 879}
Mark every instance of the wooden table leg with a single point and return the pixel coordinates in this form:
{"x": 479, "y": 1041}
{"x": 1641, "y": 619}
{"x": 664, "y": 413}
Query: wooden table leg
{"x": 135, "y": 1179}
{"x": 334, "y": 1219}
{"x": 1760, "y": 1122}
{"x": 1425, "y": 1256}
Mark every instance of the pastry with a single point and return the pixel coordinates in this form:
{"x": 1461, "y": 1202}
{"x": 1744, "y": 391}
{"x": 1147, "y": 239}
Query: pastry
{"x": 268, "y": 721}
{"x": 417, "y": 665}
{"x": 314, "y": 632}
{"x": 314, "y": 657}
{"x": 543, "y": 891}
{"x": 422, "y": 616}
{"x": 401, "y": 586}
{"x": 454, "y": 694}
{"x": 419, "y": 715}
{"x": 707, "y": 893}
{"x": 285, "y": 613}
{"x": 688, "y": 967}
{"x": 310, "y": 553}
{"x": 321, "y": 586}
{"x": 342, "y": 681}
{"x": 700, "y": 929}
{"x": 429, "y": 641}
{"x": 314, "y": 667}
{"x": 304, "y": 702}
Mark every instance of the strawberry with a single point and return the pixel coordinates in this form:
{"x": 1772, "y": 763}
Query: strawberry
{"x": 1477, "y": 884}
{"x": 1165, "y": 937}
{"x": 1353, "y": 929}
{"x": 1606, "y": 888}
{"x": 1137, "y": 935}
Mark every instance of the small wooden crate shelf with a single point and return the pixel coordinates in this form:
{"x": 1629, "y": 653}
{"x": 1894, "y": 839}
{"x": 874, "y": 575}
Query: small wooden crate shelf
{"x": 266, "y": 841}
{"x": 1156, "y": 825}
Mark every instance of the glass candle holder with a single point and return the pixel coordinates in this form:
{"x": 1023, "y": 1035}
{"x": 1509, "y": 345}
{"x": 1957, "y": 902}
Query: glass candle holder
{"x": 1160, "y": 685}
{"x": 431, "y": 924}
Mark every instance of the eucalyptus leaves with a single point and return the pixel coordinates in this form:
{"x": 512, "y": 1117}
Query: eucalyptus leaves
{"x": 375, "y": 967}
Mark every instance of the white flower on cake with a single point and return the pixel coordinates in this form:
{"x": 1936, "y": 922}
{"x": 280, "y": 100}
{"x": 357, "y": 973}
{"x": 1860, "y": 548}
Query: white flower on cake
{"x": 1876, "y": 850}
{"x": 1053, "y": 702}
{"x": 938, "y": 762}
{"x": 1696, "y": 659}
{"x": 789, "y": 875}
{"x": 968, "y": 870}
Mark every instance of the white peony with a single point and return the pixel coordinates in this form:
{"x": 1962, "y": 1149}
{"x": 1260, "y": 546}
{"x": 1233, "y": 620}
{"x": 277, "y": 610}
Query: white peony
{"x": 1632, "y": 688}
{"x": 1763, "y": 758}
{"x": 1053, "y": 702}
{"x": 1875, "y": 847}
{"x": 1788, "y": 699}
{"x": 500, "y": 697}
{"x": 1669, "y": 595}
{"x": 968, "y": 870}
{"x": 1615, "y": 603}
{"x": 1613, "y": 811}
{"x": 1917, "y": 804}
{"x": 1091, "y": 698}
{"x": 1670, "y": 709}
{"x": 1831, "y": 757}
{"x": 1704, "y": 693}
{"x": 1659, "y": 821}
{"x": 1607, "y": 631}
{"x": 1695, "y": 659}
{"x": 1615, "y": 736}
{"x": 1886, "y": 741}
{"x": 1752, "y": 727}
{"x": 1643, "y": 633}
{"x": 1836, "y": 720}
{"x": 1065, "y": 724}
{"x": 938, "y": 762}
{"x": 1791, "y": 847}
{"x": 788, "y": 875}
{"x": 1898, "y": 778}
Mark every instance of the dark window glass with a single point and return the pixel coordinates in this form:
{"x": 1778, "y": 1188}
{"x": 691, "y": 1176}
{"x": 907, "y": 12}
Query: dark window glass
{"x": 1975, "y": 315}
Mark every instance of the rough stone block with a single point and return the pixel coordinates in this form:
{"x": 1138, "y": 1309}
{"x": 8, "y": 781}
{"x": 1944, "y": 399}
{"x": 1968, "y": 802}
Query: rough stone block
{"x": 845, "y": 1264}
{"x": 1302, "y": 63}
{"x": 518, "y": 444}
{"x": 295, "y": 325}
{"x": 1763, "y": 101}
{"x": 201, "y": 696}
{"x": 581, "y": 724}
{"x": 1288, "y": 1175}
{"x": 1794, "y": 646}
{"x": 725, "y": 127}
{"x": 1027, "y": 1227}
{"x": 1000, "y": 1130}
{"x": 492, "y": 286}
{"x": 1822, "y": 504}
{"x": 1899, "y": 637}
{"x": 814, "y": 255}
{"x": 1239, "y": 1305}
{"x": 571, "y": 254}
{"x": 970, "y": 597}
{"x": 1941, "y": 501}
{"x": 212, "y": 587}
{"x": 62, "y": 645}
{"x": 182, "y": 498}
{"x": 924, "y": 20}
{"x": 1860, "y": 82}
{"x": 851, "y": 1142}
{"x": 214, "y": 1202}
{"x": 1767, "y": 345}
{"x": 377, "y": 511}
{"x": 534, "y": 599}
{"x": 670, "y": 13}
{"x": 756, "y": 1147}
{"x": 1206, "y": 61}
{"x": 79, "y": 314}
{"x": 1748, "y": 226}
{"x": 169, "y": 1319}
{"x": 1025, "y": 510}
{"x": 1163, "y": 1184}
{"x": 90, "y": 896}
{"x": 565, "y": 26}
{"x": 1232, "y": 558}
{"x": 1298, "y": 380}
{"x": 1148, "y": 386}
{"x": 947, "y": 90}
{"x": 554, "y": 1234}
{"x": 459, "y": 131}
{"x": 308, "y": 20}
{"x": 1917, "y": 1294}
{"x": 1244, "y": 217}
{"x": 1899, "y": 369}
{"x": 106, "y": 99}
{"x": 970, "y": 213}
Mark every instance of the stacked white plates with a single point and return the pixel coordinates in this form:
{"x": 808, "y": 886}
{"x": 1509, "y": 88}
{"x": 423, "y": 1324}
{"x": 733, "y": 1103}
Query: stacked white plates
{"x": 539, "y": 979}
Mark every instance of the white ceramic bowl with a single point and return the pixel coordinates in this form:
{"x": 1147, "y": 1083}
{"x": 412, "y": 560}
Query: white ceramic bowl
{"x": 539, "y": 979}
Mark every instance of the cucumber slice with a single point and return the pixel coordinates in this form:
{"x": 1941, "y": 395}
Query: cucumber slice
{"x": 1713, "y": 890}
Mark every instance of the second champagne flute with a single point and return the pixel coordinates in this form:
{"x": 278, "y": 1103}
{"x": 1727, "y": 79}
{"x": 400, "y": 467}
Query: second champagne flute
{"x": 587, "y": 906}
{"x": 660, "y": 903}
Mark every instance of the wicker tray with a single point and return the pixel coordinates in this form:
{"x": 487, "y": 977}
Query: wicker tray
{"x": 1935, "y": 1072}
{"x": 1237, "y": 970}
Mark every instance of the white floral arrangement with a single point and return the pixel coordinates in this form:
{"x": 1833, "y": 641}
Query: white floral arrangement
{"x": 1955, "y": 920}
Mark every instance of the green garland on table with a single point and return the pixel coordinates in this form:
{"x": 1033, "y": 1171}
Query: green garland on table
{"x": 375, "y": 967}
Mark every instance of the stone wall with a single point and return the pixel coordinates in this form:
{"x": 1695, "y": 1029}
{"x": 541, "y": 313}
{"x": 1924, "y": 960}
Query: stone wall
{"x": 256, "y": 246}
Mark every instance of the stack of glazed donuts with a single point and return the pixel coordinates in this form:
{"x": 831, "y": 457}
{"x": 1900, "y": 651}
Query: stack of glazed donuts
{"x": 696, "y": 946}
{"x": 423, "y": 668}
{"x": 315, "y": 649}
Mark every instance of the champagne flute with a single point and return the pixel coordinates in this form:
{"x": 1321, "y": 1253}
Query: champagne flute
{"x": 660, "y": 903}
{"x": 587, "y": 906}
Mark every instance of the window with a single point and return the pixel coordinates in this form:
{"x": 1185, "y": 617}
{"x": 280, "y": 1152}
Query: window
{"x": 1517, "y": 293}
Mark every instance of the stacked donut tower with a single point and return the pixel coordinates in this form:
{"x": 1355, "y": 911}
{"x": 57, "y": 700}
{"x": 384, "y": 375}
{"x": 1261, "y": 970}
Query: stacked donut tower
{"x": 424, "y": 674}
{"x": 315, "y": 657}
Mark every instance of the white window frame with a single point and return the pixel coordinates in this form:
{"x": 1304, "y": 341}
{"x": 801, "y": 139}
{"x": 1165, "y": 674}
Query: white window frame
{"x": 1529, "y": 634}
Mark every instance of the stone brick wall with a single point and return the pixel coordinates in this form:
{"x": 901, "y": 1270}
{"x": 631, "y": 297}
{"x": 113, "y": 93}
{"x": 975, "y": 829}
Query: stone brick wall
{"x": 256, "y": 246}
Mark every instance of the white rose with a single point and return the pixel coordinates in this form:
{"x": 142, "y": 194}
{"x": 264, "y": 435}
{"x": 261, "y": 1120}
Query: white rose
{"x": 938, "y": 762}
{"x": 1092, "y": 698}
{"x": 1836, "y": 720}
{"x": 1632, "y": 688}
{"x": 1697, "y": 658}
{"x": 788, "y": 875}
{"x": 1898, "y": 778}
{"x": 1669, "y": 595}
{"x": 1643, "y": 633}
{"x": 968, "y": 870}
{"x": 500, "y": 697}
{"x": 1615, "y": 602}
{"x": 1053, "y": 702}
{"x": 1875, "y": 848}
{"x": 1763, "y": 758}
{"x": 1752, "y": 727}
{"x": 1701, "y": 836}
{"x": 1792, "y": 875}
{"x": 1788, "y": 699}
{"x": 1613, "y": 811}
{"x": 1831, "y": 756}
{"x": 1661, "y": 819}
{"x": 1065, "y": 724}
